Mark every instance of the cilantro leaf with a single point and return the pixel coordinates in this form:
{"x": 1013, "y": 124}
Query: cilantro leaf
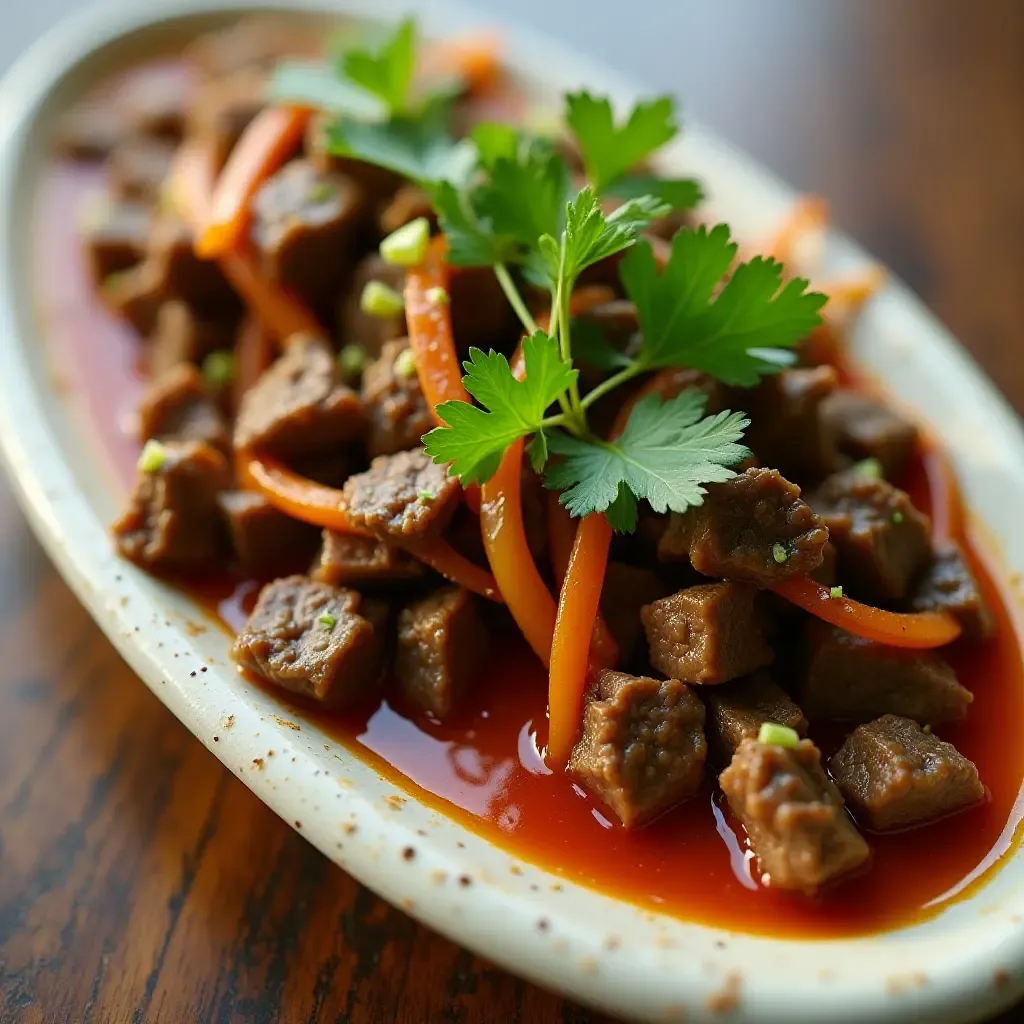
{"x": 495, "y": 142}
{"x": 665, "y": 455}
{"x": 470, "y": 243}
{"x": 677, "y": 193}
{"x": 738, "y": 336}
{"x": 610, "y": 151}
{"x": 474, "y": 440}
{"x": 312, "y": 84}
{"x": 387, "y": 73}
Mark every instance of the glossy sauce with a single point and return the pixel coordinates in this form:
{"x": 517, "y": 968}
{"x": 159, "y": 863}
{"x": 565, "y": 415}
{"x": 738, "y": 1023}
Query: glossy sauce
{"x": 483, "y": 769}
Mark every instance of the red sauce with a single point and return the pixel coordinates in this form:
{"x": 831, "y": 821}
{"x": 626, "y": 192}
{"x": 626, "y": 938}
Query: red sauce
{"x": 484, "y": 770}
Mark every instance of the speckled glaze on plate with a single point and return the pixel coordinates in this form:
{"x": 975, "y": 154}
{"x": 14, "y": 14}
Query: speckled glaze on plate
{"x": 960, "y": 965}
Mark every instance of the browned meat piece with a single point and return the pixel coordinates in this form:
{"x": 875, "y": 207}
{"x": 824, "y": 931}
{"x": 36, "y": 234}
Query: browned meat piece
{"x": 442, "y": 645}
{"x": 299, "y": 407}
{"x": 181, "y": 274}
{"x": 156, "y": 99}
{"x": 378, "y": 184}
{"x": 305, "y": 227}
{"x": 320, "y": 641}
{"x": 115, "y": 236}
{"x": 787, "y": 429}
{"x": 481, "y": 315}
{"x": 866, "y": 428}
{"x": 895, "y": 775}
{"x": 172, "y": 520}
{"x": 793, "y": 815}
{"x": 346, "y": 559}
{"x": 223, "y": 109}
{"x": 737, "y": 710}
{"x": 641, "y": 749}
{"x": 754, "y": 527}
{"x": 135, "y": 294}
{"x": 827, "y": 574}
{"x": 359, "y": 328}
{"x": 408, "y": 203}
{"x": 405, "y": 496}
{"x": 882, "y": 540}
{"x": 627, "y": 588}
{"x": 177, "y": 407}
{"x": 948, "y": 585}
{"x": 138, "y": 168}
{"x": 90, "y": 130}
{"x": 183, "y": 337}
{"x": 396, "y": 411}
{"x": 854, "y": 680}
{"x": 263, "y": 538}
{"x": 708, "y": 633}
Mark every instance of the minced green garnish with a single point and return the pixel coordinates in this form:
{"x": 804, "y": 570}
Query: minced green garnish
{"x": 870, "y": 468}
{"x": 438, "y": 296}
{"x": 779, "y": 552}
{"x": 329, "y": 620}
{"x": 774, "y": 735}
{"x": 407, "y": 246}
{"x": 835, "y": 592}
{"x": 427, "y": 495}
{"x": 219, "y": 368}
{"x": 897, "y": 517}
{"x": 152, "y": 457}
{"x": 352, "y": 360}
{"x": 405, "y": 364}
{"x": 380, "y": 301}
{"x": 320, "y": 192}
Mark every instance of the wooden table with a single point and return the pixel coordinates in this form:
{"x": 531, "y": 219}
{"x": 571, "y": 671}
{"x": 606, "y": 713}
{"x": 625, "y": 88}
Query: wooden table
{"x": 140, "y": 881}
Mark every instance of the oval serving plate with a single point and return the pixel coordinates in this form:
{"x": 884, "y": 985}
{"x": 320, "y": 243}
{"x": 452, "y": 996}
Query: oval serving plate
{"x": 959, "y": 965}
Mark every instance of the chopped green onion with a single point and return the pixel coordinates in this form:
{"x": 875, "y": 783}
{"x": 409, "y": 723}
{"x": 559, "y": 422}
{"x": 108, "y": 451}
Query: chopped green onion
{"x": 380, "y": 301}
{"x": 219, "y": 368}
{"x": 897, "y": 517}
{"x": 407, "y": 246}
{"x": 835, "y": 592}
{"x": 438, "y": 296}
{"x": 320, "y": 192}
{"x": 774, "y": 735}
{"x": 427, "y": 495}
{"x": 352, "y": 360}
{"x": 870, "y": 468}
{"x": 152, "y": 457}
{"x": 779, "y": 552}
{"x": 329, "y": 620}
{"x": 405, "y": 364}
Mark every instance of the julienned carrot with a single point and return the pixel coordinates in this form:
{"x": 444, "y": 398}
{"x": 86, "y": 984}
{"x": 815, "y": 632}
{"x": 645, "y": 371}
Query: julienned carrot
{"x": 896, "y": 629}
{"x": 473, "y": 57}
{"x": 944, "y": 493}
{"x": 254, "y": 352}
{"x": 267, "y": 142}
{"x": 444, "y": 559}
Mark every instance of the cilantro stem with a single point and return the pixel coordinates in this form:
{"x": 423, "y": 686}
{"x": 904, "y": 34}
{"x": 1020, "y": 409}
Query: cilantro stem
{"x": 611, "y": 384}
{"x": 508, "y": 286}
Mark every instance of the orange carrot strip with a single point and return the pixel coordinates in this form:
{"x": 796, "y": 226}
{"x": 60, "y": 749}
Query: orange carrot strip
{"x": 473, "y": 57}
{"x": 267, "y": 142}
{"x": 443, "y": 558}
{"x": 253, "y": 354}
{"x": 915, "y": 630}
{"x": 944, "y": 492}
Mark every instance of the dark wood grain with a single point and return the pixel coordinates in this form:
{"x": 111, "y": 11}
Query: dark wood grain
{"x": 139, "y": 881}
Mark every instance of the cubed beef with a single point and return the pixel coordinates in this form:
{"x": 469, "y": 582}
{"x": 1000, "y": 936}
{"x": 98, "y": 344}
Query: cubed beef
{"x": 787, "y": 429}
{"x": 115, "y": 235}
{"x": 737, "y": 710}
{"x": 397, "y": 413}
{"x": 136, "y": 295}
{"x": 481, "y": 315}
{"x": 359, "y": 328}
{"x": 627, "y": 588}
{"x": 90, "y": 130}
{"x": 708, "y": 633}
{"x": 156, "y": 99}
{"x": 866, "y": 428}
{"x": 316, "y": 640}
{"x": 257, "y": 42}
{"x": 305, "y": 229}
{"x": 793, "y": 815}
{"x": 263, "y": 538}
{"x": 182, "y": 274}
{"x": 182, "y": 336}
{"x": 350, "y": 560}
{"x": 882, "y": 540}
{"x": 852, "y": 679}
{"x": 442, "y": 644}
{"x": 138, "y": 168}
{"x": 407, "y": 204}
{"x": 895, "y": 775}
{"x": 378, "y": 183}
{"x": 172, "y": 520}
{"x": 405, "y": 496}
{"x": 827, "y": 574}
{"x": 948, "y": 585}
{"x": 754, "y": 527}
{"x": 177, "y": 407}
{"x": 641, "y": 750}
{"x": 223, "y": 109}
{"x": 299, "y": 407}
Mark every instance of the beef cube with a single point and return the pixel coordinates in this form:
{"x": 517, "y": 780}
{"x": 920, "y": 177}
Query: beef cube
{"x": 136, "y": 295}
{"x": 138, "y": 168}
{"x": 115, "y": 236}
{"x": 627, "y": 588}
{"x": 442, "y": 645}
{"x": 793, "y": 815}
{"x": 397, "y": 413}
{"x": 642, "y": 748}
{"x": 322, "y": 642}
{"x": 708, "y": 633}
{"x": 737, "y": 710}
{"x": 882, "y": 540}
{"x": 378, "y": 183}
{"x": 407, "y": 204}
{"x": 854, "y": 680}
{"x": 305, "y": 229}
{"x": 156, "y": 99}
{"x": 754, "y": 527}
{"x": 256, "y": 42}
{"x": 90, "y": 130}
{"x": 866, "y": 428}
{"x": 348, "y": 559}
{"x": 181, "y": 336}
{"x": 299, "y": 407}
{"x": 172, "y": 521}
{"x": 481, "y": 315}
{"x": 177, "y": 407}
{"x": 895, "y": 775}
{"x": 183, "y": 275}
{"x": 948, "y": 585}
{"x": 827, "y": 574}
{"x": 787, "y": 429}
{"x": 404, "y": 496}
{"x": 263, "y": 538}
{"x": 359, "y": 328}
{"x": 223, "y": 109}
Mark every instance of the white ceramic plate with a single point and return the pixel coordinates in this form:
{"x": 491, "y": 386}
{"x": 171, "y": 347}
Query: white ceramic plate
{"x": 960, "y": 965}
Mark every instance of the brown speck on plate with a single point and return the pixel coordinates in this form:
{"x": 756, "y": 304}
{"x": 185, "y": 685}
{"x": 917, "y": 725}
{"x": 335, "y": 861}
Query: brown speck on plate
{"x": 194, "y": 628}
{"x": 216, "y": 739}
{"x": 465, "y": 881}
{"x": 286, "y": 723}
{"x": 727, "y": 998}
{"x": 229, "y": 721}
{"x": 515, "y": 869}
{"x": 258, "y": 761}
{"x": 543, "y": 924}
{"x": 898, "y": 984}
{"x": 612, "y": 943}
{"x": 298, "y": 824}
{"x": 349, "y": 828}
{"x": 409, "y": 853}
{"x": 438, "y": 877}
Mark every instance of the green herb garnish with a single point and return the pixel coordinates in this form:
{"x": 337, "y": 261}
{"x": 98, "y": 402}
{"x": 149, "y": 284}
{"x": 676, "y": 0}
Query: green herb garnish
{"x": 352, "y": 361}
{"x": 774, "y": 735}
{"x": 152, "y": 457}
{"x": 405, "y": 364}
{"x": 219, "y": 368}
{"x": 897, "y": 517}
{"x": 779, "y": 553}
{"x": 835, "y": 592}
{"x": 407, "y": 246}
{"x": 329, "y": 620}
{"x": 380, "y": 301}
{"x": 869, "y": 468}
